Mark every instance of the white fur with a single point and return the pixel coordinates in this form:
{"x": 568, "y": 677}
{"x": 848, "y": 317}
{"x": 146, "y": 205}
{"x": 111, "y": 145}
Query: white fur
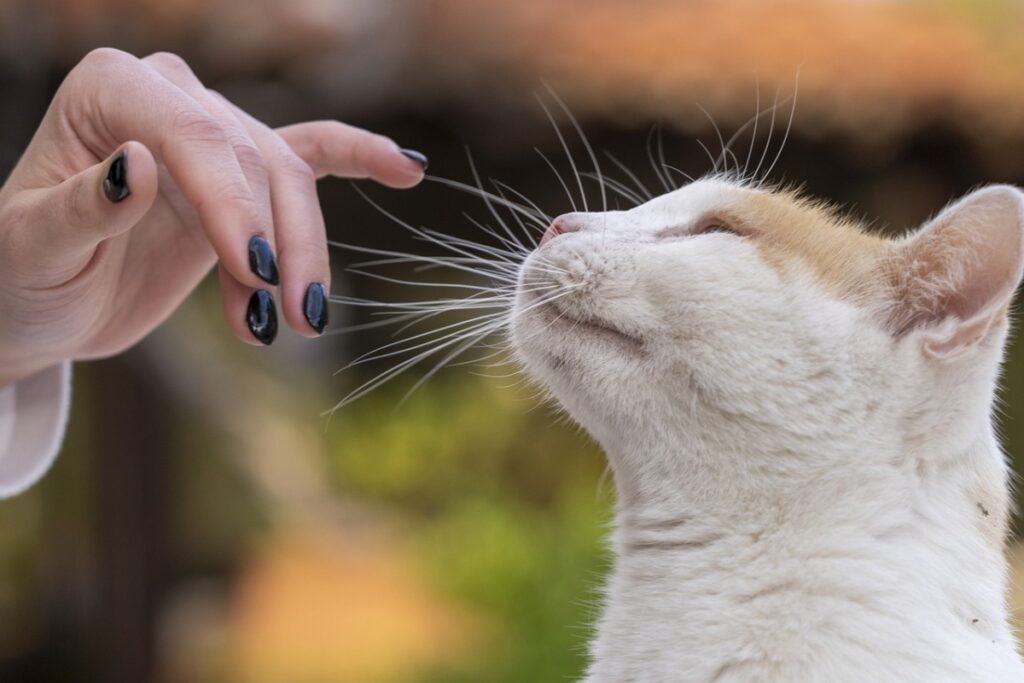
{"x": 803, "y": 494}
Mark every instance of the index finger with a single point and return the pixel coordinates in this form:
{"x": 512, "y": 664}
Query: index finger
{"x": 335, "y": 148}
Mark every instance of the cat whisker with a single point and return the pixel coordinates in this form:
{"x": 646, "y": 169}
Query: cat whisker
{"x": 455, "y": 265}
{"x": 681, "y": 172}
{"x": 757, "y": 118}
{"x": 726, "y": 152}
{"x": 487, "y": 197}
{"x": 789, "y": 126}
{"x": 644, "y": 192}
{"x": 443, "y": 242}
{"x": 565, "y": 148}
{"x": 403, "y": 346}
{"x": 526, "y": 199}
{"x": 586, "y": 143}
{"x": 658, "y": 172}
{"x": 771, "y": 129}
{"x": 561, "y": 180}
{"x": 489, "y": 200}
{"x": 617, "y": 187}
{"x": 714, "y": 162}
{"x": 530, "y": 238}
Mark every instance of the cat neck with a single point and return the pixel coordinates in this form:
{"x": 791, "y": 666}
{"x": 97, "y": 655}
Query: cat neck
{"x": 876, "y": 579}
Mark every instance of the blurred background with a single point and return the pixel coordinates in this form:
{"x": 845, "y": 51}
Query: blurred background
{"x": 206, "y": 523}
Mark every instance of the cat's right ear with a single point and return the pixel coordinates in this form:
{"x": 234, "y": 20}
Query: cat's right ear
{"x": 953, "y": 279}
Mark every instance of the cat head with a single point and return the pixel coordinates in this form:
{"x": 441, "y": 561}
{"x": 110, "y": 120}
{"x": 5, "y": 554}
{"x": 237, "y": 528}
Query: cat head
{"x": 728, "y": 318}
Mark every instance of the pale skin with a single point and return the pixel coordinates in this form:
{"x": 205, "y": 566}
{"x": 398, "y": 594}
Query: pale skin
{"x": 87, "y": 271}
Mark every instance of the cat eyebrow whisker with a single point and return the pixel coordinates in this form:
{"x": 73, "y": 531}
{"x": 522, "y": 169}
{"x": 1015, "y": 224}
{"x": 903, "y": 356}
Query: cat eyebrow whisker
{"x": 565, "y": 148}
{"x": 658, "y": 172}
{"x": 714, "y": 162}
{"x": 726, "y": 152}
{"x": 661, "y": 156}
{"x": 617, "y": 187}
{"x": 629, "y": 174}
{"x": 757, "y": 119}
{"x": 681, "y": 172}
{"x": 768, "y": 142}
{"x": 586, "y": 143}
{"x": 554, "y": 169}
{"x": 789, "y": 126}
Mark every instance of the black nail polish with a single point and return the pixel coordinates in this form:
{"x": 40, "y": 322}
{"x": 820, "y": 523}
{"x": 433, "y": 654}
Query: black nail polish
{"x": 315, "y": 307}
{"x": 262, "y": 261}
{"x": 115, "y": 185}
{"x": 418, "y": 157}
{"x": 261, "y": 316}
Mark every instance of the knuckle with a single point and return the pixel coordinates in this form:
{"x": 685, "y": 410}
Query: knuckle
{"x": 103, "y": 62}
{"x": 236, "y": 199}
{"x": 360, "y": 153}
{"x": 198, "y": 126}
{"x": 106, "y": 57}
{"x": 168, "y": 61}
{"x": 292, "y": 165}
{"x": 76, "y": 209}
{"x": 249, "y": 156}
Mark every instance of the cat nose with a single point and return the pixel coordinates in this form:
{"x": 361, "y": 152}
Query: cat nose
{"x": 567, "y": 222}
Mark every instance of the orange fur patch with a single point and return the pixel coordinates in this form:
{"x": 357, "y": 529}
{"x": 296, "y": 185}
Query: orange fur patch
{"x": 845, "y": 259}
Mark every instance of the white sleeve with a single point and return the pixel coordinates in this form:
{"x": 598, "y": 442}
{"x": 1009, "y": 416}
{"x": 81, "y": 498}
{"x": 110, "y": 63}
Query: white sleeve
{"x": 33, "y": 413}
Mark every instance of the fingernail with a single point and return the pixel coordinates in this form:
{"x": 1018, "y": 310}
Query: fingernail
{"x": 115, "y": 185}
{"x": 261, "y": 316}
{"x": 315, "y": 307}
{"x": 261, "y": 260}
{"x": 418, "y": 157}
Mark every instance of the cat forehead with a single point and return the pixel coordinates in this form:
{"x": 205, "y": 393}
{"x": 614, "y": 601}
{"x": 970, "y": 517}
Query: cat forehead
{"x": 789, "y": 231}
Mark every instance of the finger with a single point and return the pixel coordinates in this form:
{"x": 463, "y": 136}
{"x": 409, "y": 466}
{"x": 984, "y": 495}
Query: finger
{"x": 192, "y": 144}
{"x": 334, "y": 148}
{"x": 251, "y": 313}
{"x": 298, "y": 228}
{"x": 102, "y": 201}
{"x": 262, "y": 249}
{"x": 248, "y": 155}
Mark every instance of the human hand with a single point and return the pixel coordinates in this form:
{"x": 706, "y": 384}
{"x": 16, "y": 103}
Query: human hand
{"x": 137, "y": 181}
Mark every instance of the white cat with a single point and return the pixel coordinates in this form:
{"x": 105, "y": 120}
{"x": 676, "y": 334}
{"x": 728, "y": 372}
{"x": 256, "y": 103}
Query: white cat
{"x": 798, "y": 415}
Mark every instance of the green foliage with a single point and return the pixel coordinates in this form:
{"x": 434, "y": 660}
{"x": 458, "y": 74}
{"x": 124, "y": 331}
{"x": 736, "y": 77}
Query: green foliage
{"x": 503, "y": 500}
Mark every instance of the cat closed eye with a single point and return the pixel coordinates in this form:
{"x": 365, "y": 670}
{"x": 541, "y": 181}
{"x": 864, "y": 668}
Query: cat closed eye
{"x": 716, "y": 225}
{"x": 704, "y": 228}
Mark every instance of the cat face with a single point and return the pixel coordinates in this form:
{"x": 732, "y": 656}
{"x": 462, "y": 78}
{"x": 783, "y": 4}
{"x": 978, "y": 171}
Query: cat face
{"x": 725, "y": 313}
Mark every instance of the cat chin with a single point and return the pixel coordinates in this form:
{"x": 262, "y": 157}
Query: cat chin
{"x": 568, "y": 344}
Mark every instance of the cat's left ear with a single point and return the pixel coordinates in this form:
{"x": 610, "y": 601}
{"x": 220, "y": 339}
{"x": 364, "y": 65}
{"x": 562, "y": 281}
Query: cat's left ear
{"x": 954, "y": 278}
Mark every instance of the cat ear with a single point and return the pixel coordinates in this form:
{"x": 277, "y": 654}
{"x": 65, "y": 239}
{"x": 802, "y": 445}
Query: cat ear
{"x": 954, "y": 278}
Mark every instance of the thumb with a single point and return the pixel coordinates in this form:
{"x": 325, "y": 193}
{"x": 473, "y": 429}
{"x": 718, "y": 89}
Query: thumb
{"x": 98, "y": 203}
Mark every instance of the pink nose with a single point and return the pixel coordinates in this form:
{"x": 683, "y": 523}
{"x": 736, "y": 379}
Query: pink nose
{"x": 567, "y": 222}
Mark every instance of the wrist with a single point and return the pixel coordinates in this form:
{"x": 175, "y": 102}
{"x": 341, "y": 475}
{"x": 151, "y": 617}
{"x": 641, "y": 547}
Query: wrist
{"x": 16, "y": 367}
